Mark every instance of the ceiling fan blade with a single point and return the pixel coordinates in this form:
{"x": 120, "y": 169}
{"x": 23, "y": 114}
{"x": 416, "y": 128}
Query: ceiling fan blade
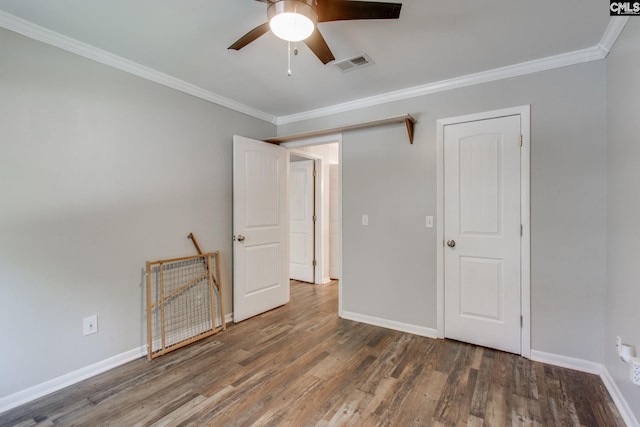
{"x": 250, "y": 36}
{"x": 344, "y": 10}
{"x": 319, "y": 47}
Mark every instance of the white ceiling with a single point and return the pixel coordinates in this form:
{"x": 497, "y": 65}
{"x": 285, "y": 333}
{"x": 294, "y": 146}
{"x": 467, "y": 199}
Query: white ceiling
{"x": 432, "y": 41}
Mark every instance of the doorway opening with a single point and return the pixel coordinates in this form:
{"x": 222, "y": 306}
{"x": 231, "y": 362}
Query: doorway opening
{"x": 325, "y": 152}
{"x": 261, "y": 261}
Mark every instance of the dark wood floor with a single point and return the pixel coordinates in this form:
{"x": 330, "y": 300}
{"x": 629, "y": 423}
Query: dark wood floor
{"x": 301, "y": 365}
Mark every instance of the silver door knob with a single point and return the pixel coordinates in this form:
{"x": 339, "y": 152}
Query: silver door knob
{"x": 451, "y": 243}
{"x": 241, "y": 238}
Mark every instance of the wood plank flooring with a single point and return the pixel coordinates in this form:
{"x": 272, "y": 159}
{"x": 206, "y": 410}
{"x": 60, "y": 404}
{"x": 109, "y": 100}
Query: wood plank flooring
{"x": 301, "y": 365}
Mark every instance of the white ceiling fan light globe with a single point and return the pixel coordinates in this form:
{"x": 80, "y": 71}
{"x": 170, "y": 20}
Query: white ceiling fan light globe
{"x": 292, "y": 20}
{"x": 291, "y": 26}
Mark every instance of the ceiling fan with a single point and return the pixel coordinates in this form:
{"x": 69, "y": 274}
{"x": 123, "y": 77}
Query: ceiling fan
{"x": 296, "y": 20}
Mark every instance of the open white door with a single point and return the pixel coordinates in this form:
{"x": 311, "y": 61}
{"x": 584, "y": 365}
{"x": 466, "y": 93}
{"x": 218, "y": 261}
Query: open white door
{"x": 301, "y": 220}
{"x": 260, "y": 227}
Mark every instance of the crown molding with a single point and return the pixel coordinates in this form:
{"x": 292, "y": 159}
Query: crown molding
{"x": 594, "y": 53}
{"x": 611, "y": 34}
{"x": 36, "y": 32}
{"x": 523, "y": 68}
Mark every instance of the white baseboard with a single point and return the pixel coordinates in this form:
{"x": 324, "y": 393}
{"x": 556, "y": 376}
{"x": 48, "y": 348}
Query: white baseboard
{"x": 566, "y": 362}
{"x": 618, "y": 399}
{"x": 55, "y": 384}
{"x": 592, "y": 368}
{"x": 391, "y": 324}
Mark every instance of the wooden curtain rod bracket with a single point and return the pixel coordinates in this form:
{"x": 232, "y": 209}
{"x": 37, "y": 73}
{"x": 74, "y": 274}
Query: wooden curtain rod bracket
{"x": 407, "y": 119}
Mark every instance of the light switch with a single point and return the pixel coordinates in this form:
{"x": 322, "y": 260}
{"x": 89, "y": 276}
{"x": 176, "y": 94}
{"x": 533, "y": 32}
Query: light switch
{"x": 365, "y": 219}
{"x": 429, "y": 222}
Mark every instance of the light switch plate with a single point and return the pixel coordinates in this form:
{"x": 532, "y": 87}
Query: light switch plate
{"x": 365, "y": 219}
{"x": 429, "y": 222}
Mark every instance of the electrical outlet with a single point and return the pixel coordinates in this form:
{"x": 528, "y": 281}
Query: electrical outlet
{"x": 365, "y": 219}
{"x": 627, "y": 352}
{"x": 635, "y": 370}
{"x": 90, "y": 325}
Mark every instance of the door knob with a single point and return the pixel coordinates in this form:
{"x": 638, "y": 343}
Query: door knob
{"x": 241, "y": 238}
{"x": 451, "y": 243}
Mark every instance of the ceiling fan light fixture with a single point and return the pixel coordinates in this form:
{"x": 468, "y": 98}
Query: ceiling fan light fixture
{"x": 292, "y": 20}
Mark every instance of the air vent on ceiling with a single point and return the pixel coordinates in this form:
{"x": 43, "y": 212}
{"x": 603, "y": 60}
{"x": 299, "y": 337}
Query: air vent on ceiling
{"x": 351, "y": 64}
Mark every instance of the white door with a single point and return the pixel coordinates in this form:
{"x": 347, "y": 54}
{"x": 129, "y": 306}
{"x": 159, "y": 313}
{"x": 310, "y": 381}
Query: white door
{"x": 482, "y": 232}
{"x": 334, "y": 221}
{"x": 260, "y": 227}
{"x": 301, "y": 220}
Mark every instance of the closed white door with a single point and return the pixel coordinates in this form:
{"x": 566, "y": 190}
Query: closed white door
{"x": 301, "y": 220}
{"x": 482, "y": 231}
{"x": 334, "y": 221}
{"x": 260, "y": 227}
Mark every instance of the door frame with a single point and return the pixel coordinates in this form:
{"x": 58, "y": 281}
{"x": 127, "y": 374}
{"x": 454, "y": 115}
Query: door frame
{"x": 524, "y": 112}
{"x": 317, "y": 210}
{"x": 321, "y": 140}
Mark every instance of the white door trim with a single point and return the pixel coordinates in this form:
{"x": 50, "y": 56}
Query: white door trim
{"x": 525, "y": 208}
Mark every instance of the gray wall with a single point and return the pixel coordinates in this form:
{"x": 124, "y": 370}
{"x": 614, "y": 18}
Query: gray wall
{"x": 389, "y": 268}
{"x": 99, "y": 172}
{"x": 623, "y": 207}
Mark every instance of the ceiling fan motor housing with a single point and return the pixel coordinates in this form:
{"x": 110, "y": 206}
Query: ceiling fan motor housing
{"x": 293, "y": 6}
